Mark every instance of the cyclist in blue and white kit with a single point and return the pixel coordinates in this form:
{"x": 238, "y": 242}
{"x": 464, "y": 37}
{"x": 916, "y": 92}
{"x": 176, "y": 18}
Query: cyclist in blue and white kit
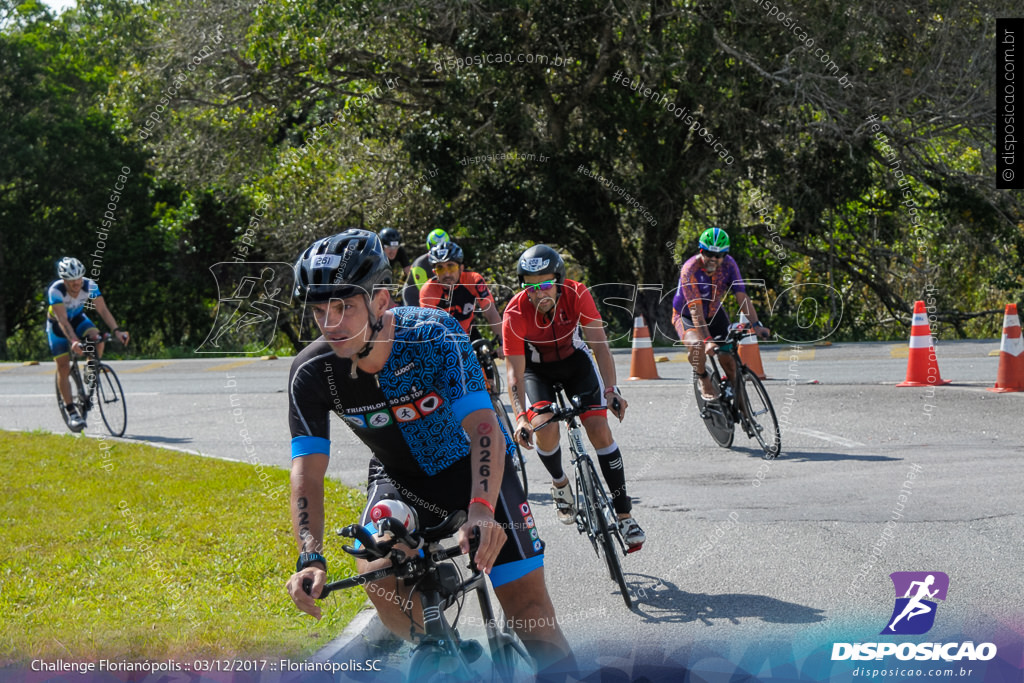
{"x": 66, "y": 320}
{"x": 407, "y": 383}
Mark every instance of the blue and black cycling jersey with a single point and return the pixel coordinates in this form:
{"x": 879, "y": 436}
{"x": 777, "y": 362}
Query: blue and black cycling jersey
{"x": 410, "y": 413}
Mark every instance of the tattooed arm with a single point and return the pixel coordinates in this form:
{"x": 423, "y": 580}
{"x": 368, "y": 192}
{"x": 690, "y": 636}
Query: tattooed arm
{"x": 487, "y": 465}
{"x": 307, "y": 512}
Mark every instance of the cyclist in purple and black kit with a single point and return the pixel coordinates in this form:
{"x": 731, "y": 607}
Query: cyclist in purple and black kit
{"x": 407, "y": 383}
{"x": 66, "y": 320}
{"x": 697, "y": 312}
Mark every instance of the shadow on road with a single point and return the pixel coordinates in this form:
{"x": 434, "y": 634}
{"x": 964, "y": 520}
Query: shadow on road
{"x": 819, "y": 456}
{"x": 660, "y": 601}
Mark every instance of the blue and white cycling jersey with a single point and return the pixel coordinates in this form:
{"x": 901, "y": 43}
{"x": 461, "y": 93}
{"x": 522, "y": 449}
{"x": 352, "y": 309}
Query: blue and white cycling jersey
{"x": 410, "y": 413}
{"x": 73, "y": 305}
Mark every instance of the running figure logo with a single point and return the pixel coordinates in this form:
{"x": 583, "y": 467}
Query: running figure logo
{"x": 914, "y": 612}
{"x": 246, "y": 319}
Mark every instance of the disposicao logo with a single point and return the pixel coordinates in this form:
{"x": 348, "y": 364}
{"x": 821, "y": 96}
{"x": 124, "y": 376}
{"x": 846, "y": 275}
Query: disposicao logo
{"x": 914, "y": 614}
{"x": 916, "y": 593}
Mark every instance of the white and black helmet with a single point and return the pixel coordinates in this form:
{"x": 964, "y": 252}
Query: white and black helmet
{"x": 444, "y": 252}
{"x": 336, "y": 267}
{"x": 541, "y": 259}
{"x": 70, "y": 268}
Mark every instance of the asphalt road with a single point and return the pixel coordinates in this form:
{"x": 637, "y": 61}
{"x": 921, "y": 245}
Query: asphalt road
{"x": 739, "y": 550}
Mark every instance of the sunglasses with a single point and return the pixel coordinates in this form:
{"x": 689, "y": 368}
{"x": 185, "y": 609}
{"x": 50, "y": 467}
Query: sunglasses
{"x": 542, "y": 286}
{"x": 711, "y": 254}
{"x": 446, "y": 267}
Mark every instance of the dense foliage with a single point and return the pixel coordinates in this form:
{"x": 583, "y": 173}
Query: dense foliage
{"x": 848, "y": 149}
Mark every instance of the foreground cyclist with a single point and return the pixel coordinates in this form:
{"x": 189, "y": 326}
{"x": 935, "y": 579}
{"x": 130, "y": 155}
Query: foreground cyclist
{"x": 543, "y": 347}
{"x": 67, "y": 324}
{"x": 407, "y": 383}
{"x": 697, "y": 313}
{"x": 459, "y": 291}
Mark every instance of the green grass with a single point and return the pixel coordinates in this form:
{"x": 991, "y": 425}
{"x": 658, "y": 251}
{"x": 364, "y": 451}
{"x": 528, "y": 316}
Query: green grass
{"x": 136, "y": 552}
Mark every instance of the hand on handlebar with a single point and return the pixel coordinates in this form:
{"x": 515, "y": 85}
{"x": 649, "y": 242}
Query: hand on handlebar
{"x": 313, "y": 579}
{"x": 617, "y": 404}
{"x": 710, "y": 347}
{"x": 524, "y": 434}
{"x": 762, "y": 331}
{"x": 491, "y": 537}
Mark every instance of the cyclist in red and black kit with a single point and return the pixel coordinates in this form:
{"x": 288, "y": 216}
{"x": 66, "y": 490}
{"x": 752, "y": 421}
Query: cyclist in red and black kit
{"x": 459, "y": 291}
{"x": 543, "y": 346}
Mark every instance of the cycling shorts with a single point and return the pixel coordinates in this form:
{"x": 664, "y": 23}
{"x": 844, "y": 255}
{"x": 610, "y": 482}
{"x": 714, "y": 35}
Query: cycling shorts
{"x": 434, "y": 498}
{"x": 59, "y": 344}
{"x": 718, "y": 327}
{"x": 577, "y": 374}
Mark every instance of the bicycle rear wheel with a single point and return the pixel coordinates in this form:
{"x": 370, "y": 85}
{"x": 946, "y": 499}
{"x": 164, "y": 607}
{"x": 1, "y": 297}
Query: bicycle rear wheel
{"x": 111, "y": 400}
{"x": 518, "y": 459}
{"x": 761, "y": 415}
{"x": 717, "y": 416}
{"x": 77, "y": 394}
{"x": 604, "y": 515}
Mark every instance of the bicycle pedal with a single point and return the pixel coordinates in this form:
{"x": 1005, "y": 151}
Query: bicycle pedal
{"x": 633, "y": 548}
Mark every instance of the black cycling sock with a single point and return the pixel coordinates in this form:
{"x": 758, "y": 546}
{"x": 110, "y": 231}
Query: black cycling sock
{"x": 610, "y": 459}
{"x": 552, "y": 463}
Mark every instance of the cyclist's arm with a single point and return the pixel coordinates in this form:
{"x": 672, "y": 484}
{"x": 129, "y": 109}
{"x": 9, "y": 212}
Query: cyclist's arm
{"x": 515, "y": 370}
{"x": 593, "y": 333}
{"x": 490, "y": 311}
{"x": 747, "y": 307}
{"x": 487, "y": 465}
{"x": 307, "y": 513}
{"x": 61, "y": 313}
{"x": 108, "y": 317}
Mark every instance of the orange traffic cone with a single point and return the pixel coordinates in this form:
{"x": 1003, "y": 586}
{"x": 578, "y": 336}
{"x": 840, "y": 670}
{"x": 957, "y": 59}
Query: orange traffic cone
{"x": 641, "y": 364}
{"x": 750, "y": 354}
{"x": 922, "y": 367}
{"x": 1010, "y": 376}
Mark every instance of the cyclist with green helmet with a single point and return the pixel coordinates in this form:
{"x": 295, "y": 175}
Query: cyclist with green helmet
{"x": 697, "y": 312}
{"x": 422, "y": 269}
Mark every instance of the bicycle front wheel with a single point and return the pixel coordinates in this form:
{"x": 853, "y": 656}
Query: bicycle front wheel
{"x": 604, "y": 515}
{"x": 761, "y": 415}
{"x": 433, "y": 664}
{"x": 111, "y": 400}
{"x": 77, "y": 394}
{"x": 716, "y": 414}
{"x": 518, "y": 459}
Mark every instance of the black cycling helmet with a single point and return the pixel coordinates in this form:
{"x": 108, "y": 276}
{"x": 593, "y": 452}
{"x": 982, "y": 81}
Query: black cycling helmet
{"x": 444, "y": 252}
{"x": 541, "y": 259}
{"x": 390, "y": 237}
{"x": 340, "y": 266}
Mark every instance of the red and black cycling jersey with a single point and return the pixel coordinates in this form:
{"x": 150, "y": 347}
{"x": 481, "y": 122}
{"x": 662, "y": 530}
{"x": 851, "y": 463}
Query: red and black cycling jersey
{"x": 459, "y": 300}
{"x": 548, "y": 338}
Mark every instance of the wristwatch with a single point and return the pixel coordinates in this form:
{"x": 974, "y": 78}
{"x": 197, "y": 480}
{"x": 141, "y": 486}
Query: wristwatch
{"x": 306, "y": 559}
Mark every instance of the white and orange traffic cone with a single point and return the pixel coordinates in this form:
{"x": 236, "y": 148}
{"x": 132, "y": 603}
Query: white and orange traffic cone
{"x": 641, "y": 362}
{"x": 750, "y": 353}
{"x": 1010, "y": 376}
{"x": 922, "y": 366}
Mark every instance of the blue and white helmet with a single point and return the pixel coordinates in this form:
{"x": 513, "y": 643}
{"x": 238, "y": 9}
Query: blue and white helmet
{"x": 70, "y": 268}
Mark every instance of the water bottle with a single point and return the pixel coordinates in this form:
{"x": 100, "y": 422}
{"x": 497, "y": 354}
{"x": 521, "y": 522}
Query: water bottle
{"x": 401, "y": 511}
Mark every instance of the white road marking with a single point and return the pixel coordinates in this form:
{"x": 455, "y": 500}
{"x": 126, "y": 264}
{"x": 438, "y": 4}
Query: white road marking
{"x": 832, "y": 438}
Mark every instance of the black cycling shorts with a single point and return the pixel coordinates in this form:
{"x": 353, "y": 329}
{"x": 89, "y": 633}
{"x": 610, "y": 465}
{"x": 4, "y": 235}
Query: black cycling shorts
{"x": 434, "y": 498}
{"x": 718, "y": 327}
{"x": 577, "y": 374}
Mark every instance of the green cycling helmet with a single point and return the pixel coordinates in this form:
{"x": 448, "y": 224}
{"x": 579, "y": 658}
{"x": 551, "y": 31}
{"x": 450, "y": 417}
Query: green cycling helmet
{"x": 436, "y": 237}
{"x": 715, "y": 240}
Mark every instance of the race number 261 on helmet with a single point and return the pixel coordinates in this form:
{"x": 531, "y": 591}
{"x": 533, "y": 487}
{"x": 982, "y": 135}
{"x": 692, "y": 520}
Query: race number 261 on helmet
{"x": 340, "y": 266}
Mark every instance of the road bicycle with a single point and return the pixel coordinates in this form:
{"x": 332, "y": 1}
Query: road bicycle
{"x": 97, "y": 385}
{"x": 595, "y": 515}
{"x": 441, "y": 653}
{"x": 487, "y": 356}
{"x": 742, "y": 400}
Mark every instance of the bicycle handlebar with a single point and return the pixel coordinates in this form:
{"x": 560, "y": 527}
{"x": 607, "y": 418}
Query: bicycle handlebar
{"x": 375, "y": 550}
